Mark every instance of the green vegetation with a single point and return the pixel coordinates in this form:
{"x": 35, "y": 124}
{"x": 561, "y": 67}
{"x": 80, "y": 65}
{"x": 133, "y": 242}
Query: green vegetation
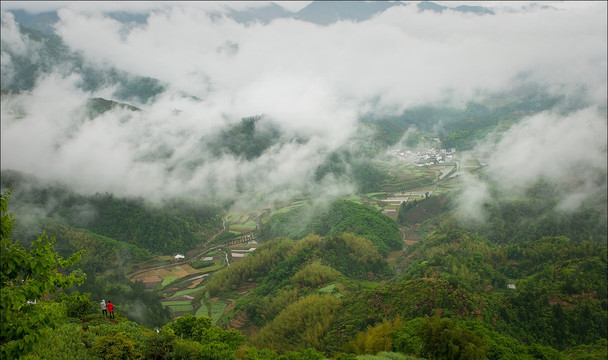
{"x": 168, "y": 280}
{"x": 354, "y": 256}
{"x": 131, "y": 299}
{"x": 242, "y": 228}
{"x": 342, "y": 216}
{"x": 404, "y": 177}
{"x": 330, "y": 279}
{"x": 175, "y": 226}
{"x": 55, "y": 54}
{"x": 344, "y": 164}
{"x": 181, "y": 308}
{"x": 248, "y": 139}
{"x": 443, "y": 339}
{"x": 261, "y": 261}
{"x": 98, "y": 252}
{"x": 166, "y": 231}
{"x": 314, "y": 275}
{"x": 216, "y": 311}
{"x": 536, "y": 214}
{"x": 416, "y": 211}
{"x": 462, "y": 291}
{"x": 98, "y": 106}
{"x": 202, "y": 310}
{"x": 28, "y": 276}
{"x": 300, "y": 325}
{"x": 176, "y": 302}
{"x": 65, "y": 324}
{"x": 328, "y": 289}
{"x": 200, "y": 264}
{"x": 460, "y": 128}
{"x": 326, "y": 281}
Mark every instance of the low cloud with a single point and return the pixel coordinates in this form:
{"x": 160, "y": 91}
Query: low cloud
{"x": 568, "y": 152}
{"x": 471, "y": 200}
{"x": 551, "y": 146}
{"x": 158, "y": 152}
{"x": 401, "y": 56}
{"x": 311, "y": 80}
{"x": 13, "y": 41}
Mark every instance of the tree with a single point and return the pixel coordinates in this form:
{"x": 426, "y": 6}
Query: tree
{"x": 28, "y": 277}
{"x": 188, "y": 326}
{"x": 301, "y": 325}
{"x": 406, "y": 339}
{"x": 116, "y": 346}
{"x": 77, "y": 306}
{"x": 216, "y": 343}
{"x": 161, "y": 344}
{"x": 443, "y": 339}
{"x": 375, "y": 339}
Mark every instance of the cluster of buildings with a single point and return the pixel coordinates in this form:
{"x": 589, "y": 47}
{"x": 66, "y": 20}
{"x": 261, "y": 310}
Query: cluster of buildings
{"x": 426, "y": 157}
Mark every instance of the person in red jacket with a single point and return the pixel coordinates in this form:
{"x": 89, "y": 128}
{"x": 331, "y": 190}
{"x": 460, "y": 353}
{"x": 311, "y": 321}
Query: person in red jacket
{"x": 110, "y": 308}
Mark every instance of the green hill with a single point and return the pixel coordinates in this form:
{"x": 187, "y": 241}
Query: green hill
{"x": 52, "y": 54}
{"x": 341, "y": 216}
{"x": 166, "y": 228}
{"x": 98, "y": 106}
{"x": 454, "y": 293}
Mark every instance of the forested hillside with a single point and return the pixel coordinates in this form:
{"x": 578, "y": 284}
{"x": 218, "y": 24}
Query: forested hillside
{"x": 462, "y": 128}
{"x": 329, "y": 281}
{"x": 492, "y": 290}
{"x": 528, "y": 282}
{"x": 172, "y": 227}
{"x": 341, "y": 216}
{"x": 113, "y": 235}
{"x": 52, "y": 54}
{"x": 324, "y": 180}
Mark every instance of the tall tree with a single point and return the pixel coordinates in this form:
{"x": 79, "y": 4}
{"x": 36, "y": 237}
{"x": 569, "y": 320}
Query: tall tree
{"x": 27, "y": 278}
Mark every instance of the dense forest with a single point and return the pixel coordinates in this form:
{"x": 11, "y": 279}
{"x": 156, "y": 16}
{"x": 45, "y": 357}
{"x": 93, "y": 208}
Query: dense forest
{"x": 328, "y": 280}
{"x": 453, "y": 294}
{"x": 112, "y": 234}
{"x": 341, "y": 216}
{"x": 171, "y": 227}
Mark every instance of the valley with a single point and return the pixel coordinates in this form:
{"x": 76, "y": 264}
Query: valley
{"x": 183, "y": 287}
{"x": 325, "y": 180}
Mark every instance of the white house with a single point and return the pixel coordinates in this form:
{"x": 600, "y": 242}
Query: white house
{"x": 179, "y": 257}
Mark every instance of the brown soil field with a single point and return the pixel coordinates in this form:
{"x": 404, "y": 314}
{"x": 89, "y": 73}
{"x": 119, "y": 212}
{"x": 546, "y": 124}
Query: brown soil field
{"x": 195, "y": 283}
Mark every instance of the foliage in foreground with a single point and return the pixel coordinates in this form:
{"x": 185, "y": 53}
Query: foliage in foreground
{"x": 27, "y": 277}
{"x": 449, "y": 301}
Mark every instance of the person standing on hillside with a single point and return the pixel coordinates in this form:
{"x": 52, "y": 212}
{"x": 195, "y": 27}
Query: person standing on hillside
{"x": 104, "y": 307}
{"x": 111, "y": 309}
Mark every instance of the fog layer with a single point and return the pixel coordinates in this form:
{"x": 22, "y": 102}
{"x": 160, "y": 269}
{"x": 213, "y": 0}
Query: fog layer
{"x": 313, "y": 81}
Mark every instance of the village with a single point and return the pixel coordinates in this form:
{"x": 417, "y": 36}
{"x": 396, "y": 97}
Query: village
{"x": 427, "y": 157}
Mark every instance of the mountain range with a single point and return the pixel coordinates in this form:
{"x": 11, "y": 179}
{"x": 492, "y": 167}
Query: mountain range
{"x": 317, "y": 12}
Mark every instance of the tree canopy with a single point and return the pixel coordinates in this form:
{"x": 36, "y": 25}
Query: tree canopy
{"x": 28, "y": 276}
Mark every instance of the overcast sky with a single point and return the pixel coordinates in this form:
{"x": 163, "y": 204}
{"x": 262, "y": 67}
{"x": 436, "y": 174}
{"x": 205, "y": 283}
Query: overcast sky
{"x": 313, "y": 80}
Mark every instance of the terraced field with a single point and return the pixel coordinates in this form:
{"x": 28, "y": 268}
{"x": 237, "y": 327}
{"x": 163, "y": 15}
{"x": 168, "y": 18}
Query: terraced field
{"x": 404, "y": 177}
{"x": 243, "y": 228}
